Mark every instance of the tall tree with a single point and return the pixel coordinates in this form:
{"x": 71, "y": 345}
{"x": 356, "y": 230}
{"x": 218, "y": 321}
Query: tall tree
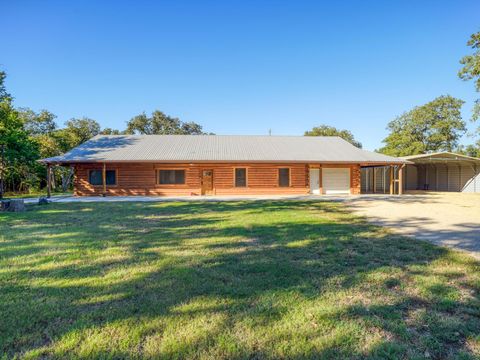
{"x": 326, "y": 130}
{"x": 471, "y": 69}
{"x": 41, "y": 127}
{"x": 80, "y": 130}
{"x": 161, "y": 124}
{"x": 21, "y": 150}
{"x": 42, "y": 123}
{"x": 435, "y": 126}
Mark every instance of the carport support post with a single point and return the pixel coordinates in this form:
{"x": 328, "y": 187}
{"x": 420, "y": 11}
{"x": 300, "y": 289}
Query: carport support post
{"x": 49, "y": 180}
{"x": 392, "y": 174}
{"x": 400, "y": 179}
{"x": 104, "y": 179}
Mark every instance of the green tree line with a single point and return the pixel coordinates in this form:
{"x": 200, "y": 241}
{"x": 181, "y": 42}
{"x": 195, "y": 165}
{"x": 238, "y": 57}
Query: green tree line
{"x": 27, "y": 136}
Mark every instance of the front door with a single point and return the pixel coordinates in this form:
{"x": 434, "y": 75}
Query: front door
{"x": 207, "y": 182}
{"x": 315, "y": 181}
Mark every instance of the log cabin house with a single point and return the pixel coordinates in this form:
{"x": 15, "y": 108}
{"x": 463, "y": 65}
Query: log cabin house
{"x": 179, "y": 165}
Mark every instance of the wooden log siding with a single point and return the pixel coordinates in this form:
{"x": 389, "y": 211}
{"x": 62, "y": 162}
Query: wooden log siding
{"x": 355, "y": 180}
{"x": 142, "y": 179}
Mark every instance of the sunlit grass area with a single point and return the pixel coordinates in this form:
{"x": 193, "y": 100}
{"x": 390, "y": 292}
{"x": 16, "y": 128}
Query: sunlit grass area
{"x": 33, "y": 194}
{"x": 265, "y": 279}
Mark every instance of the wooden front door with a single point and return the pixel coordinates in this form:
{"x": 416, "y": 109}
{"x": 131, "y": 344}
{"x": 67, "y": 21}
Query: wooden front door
{"x": 207, "y": 182}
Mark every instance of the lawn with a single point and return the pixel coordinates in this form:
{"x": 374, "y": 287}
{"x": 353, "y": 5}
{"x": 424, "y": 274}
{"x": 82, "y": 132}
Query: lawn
{"x": 33, "y": 194}
{"x": 266, "y": 279}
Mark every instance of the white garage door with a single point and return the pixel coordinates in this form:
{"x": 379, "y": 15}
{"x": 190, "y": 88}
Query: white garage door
{"x": 336, "y": 180}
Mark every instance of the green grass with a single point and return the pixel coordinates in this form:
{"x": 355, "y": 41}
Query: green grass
{"x": 33, "y": 194}
{"x": 267, "y": 279}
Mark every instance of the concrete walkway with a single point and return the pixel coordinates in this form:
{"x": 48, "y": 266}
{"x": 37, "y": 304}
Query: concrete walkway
{"x": 72, "y": 199}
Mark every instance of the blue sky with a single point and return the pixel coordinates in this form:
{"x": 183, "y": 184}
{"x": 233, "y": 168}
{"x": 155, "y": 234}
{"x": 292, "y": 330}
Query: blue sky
{"x": 238, "y": 67}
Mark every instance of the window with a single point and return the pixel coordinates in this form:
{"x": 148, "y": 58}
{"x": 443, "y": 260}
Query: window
{"x": 95, "y": 177}
{"x": 171, "y": 177}
{"x": 284, "y": 177}
{"x": 240, "y": 177}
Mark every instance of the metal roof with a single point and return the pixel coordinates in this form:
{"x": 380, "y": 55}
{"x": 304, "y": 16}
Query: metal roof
{"x": 220, "y": 148}
{"x": 442, "y": 157}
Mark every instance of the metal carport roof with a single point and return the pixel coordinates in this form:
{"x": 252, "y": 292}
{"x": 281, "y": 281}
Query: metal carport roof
{"x": 442, "y": 157}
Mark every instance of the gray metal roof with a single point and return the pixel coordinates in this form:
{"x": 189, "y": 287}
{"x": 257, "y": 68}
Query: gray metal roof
{"x": 219, "y": 148}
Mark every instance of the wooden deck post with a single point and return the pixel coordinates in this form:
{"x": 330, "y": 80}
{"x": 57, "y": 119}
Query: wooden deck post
{"x": 400, "y": 179}
{"x": 392, "y": 174}
{"x": 49, "y": 181}
{"x": 104, "y": 179}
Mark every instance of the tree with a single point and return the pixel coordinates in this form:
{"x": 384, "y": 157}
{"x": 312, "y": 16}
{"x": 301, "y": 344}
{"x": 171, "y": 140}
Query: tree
{"x": 21, "y": 150}
{"x": 77, "y": 131}
{"x": 52, "y": 141}
{"x": 435, "y": 126}
{"x": 191, "y": 128}
{"x": 4, "y": 95}
{"x": 161, "y": 124}
{"x": 326, "y": 130}
{"x": 42, "y": 123}
{"x": 471, "y": 70}
{"x": 470, "y": 150}
{"x": 29, "y": 136}
{"x": 109, "y": 131}
{"x": 41, "y": 127}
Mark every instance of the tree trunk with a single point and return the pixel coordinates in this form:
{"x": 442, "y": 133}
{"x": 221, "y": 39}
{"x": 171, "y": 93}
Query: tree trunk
{"x": 53, "y": 184}
{"x": 67, "y": 179}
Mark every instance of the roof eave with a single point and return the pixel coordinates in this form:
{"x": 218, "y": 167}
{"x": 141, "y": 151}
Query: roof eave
{"x": 307, "y": 161}
{"x": 455, "y": 157}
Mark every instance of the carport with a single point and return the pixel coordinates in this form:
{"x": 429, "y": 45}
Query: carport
{"x": 443, "y": 171}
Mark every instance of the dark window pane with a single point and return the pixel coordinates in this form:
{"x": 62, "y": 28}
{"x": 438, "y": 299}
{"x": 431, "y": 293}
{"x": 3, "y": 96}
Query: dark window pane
{"x": 171, "y": 177}
{"x": 284, "y": 177}
{"x": 179, "y": 176}
{"x": 96, "y": 177}
{"x": 166, "y": 177}
{"x": 111, "y": 177}
{"x": 240, "y": 177}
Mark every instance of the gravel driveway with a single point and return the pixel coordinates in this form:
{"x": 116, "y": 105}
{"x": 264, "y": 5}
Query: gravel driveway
{"x": 449, "y": 219}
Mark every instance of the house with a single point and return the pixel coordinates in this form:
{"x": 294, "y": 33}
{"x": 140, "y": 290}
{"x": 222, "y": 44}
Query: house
{"x": 441, "y": 171}
{"x": 221, "y": 165}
